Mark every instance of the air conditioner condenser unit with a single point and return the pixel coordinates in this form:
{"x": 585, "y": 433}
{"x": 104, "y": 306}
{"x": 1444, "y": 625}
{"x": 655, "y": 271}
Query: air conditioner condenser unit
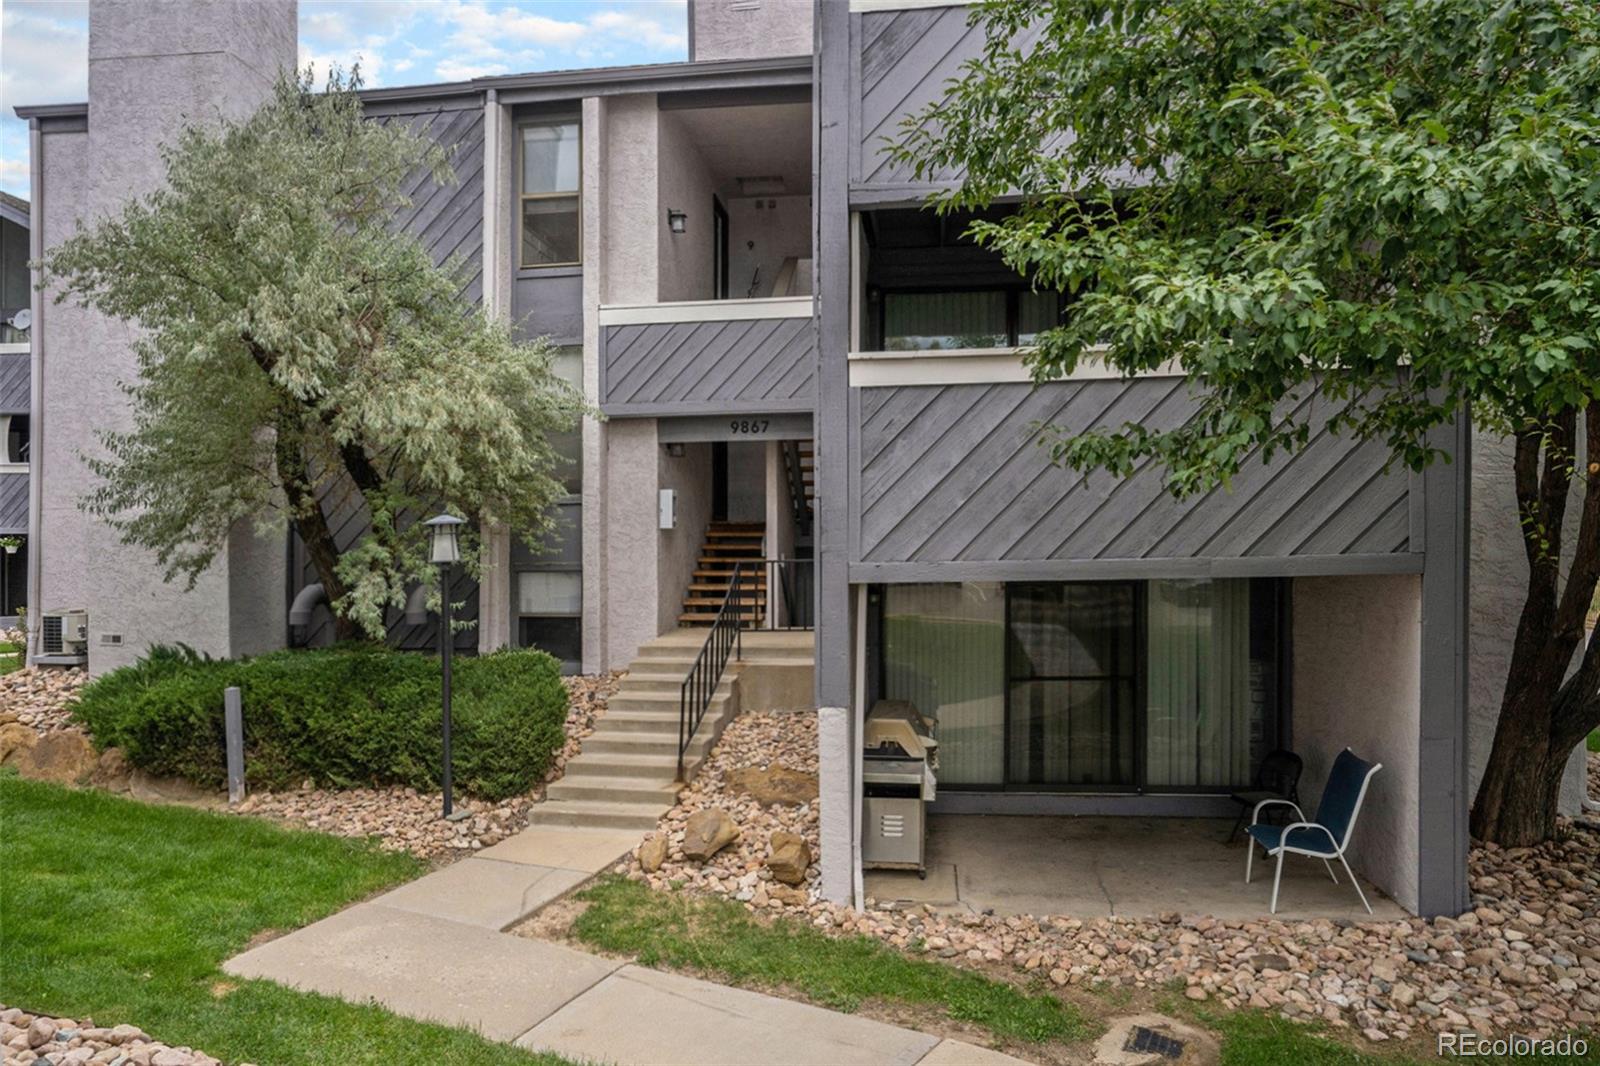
{"x": 64, "y": 632}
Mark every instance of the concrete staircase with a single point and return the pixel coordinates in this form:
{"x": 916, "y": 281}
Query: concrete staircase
{"x": 625, "y": 777}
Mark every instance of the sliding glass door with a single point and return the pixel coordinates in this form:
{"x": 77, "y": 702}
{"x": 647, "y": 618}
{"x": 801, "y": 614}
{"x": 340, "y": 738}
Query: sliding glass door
{"x": 1092, "y": 686}
{"x": 1070, "y": 677}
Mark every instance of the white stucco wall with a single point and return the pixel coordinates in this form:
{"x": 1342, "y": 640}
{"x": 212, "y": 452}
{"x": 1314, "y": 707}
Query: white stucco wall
{"x": 631, "y": 549}
{"x": 748, "y": 29}
{"x": 678, "y": 549}
{"x": 778, "y": 233}
{"x": 207, "y": 60}
{"x": 1497, "y": 584}
{"x": 628, "y": 253}
{"x": 1358, "y": 684}
{"x": 685, "y": 267}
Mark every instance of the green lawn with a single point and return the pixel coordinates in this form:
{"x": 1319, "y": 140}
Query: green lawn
{"x": 1594, "y": 740}
{"x": 723, "y": 941}
{"x": 10, "y": 657}
{"x": 124, "y": 912}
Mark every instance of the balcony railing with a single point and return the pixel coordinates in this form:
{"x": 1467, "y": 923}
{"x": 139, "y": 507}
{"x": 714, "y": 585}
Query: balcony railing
{"x": 707, "y": 357}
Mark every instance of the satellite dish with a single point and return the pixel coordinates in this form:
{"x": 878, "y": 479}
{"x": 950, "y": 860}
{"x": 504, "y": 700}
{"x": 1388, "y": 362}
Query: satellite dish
{"x": 22, "y": 319}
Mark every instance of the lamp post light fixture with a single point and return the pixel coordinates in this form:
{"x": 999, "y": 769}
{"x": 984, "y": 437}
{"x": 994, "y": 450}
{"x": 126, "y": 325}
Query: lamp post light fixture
{"x": 677, "y": 221}
{"x": 444, "y": 552}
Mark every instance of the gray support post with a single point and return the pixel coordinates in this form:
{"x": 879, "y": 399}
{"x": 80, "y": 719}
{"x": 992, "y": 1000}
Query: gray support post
{"x": 233, "y": 730}
{"x": 837, "y": 724}
{"x": 1443, "y": 800}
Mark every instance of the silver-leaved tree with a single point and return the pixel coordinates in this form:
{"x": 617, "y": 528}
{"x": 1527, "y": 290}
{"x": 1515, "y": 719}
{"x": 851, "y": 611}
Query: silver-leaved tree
{"x": 296, "y": 348}
{"x": 1395, "y": 199}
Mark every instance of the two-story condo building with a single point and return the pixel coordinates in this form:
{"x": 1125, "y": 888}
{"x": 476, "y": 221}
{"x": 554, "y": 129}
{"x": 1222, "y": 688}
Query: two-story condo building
{"x": 797, "y": 363}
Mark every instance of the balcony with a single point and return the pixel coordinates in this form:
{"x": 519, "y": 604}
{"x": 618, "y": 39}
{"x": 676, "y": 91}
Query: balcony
{"x": 700, "y": 357}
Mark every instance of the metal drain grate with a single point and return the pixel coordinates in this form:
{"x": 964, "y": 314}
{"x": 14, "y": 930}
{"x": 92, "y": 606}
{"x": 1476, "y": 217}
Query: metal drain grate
{"x": 1146, "y": 1041}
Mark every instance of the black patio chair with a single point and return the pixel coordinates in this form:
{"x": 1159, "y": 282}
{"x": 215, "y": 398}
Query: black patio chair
{"x": 1277, "y": 778}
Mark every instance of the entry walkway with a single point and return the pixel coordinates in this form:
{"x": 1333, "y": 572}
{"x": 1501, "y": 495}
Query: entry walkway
{"x": 436, "y": 949}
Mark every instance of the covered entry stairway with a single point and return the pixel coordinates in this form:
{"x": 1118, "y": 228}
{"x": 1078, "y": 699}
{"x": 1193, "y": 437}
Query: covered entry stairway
{"x": 625, "y": 776}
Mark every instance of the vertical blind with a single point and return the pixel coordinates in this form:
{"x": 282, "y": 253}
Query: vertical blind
{"x": 944, "y": 650}
{"x": 1198, "y": 695}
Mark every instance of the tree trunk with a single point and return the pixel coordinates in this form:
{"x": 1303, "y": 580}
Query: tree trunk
{"x": 310, "y": 522}
{"x": 1545, "y": 713}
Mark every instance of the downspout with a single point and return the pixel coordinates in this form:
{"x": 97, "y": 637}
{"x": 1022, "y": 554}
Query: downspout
{"x": 858, "y": 716}
{"x": 306, "y": 601}
{"x": 36, "y": 302}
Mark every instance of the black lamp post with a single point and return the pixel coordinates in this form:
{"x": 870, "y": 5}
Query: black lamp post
{"x": 443, "y": 531}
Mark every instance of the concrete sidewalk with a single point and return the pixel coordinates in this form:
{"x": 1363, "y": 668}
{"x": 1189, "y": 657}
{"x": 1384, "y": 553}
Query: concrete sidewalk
{"x": 436, "y": 950}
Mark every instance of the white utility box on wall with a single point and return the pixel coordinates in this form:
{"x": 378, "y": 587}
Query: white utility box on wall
{"x": 669, "y": 508}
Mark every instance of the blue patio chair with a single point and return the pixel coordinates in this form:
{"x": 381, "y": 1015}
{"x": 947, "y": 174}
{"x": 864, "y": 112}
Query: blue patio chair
{"x": 1327, "y": 835}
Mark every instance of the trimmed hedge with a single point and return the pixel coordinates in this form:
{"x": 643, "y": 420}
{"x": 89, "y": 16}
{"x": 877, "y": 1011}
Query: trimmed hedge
{"x": 345, "y": 717}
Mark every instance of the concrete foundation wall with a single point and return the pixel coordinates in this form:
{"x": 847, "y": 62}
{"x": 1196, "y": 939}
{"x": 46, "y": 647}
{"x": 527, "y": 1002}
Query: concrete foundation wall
{"x": 750, "y": 29}
{"x": 1357, "y": 684}
{"x": 216, "y": 59}
{"x": 678, "y": 549}
{"x": 1496, "y": 586}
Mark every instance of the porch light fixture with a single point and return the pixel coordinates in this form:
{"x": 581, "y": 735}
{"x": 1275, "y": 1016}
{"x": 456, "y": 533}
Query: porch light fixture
{"x": 444, "y": 533}
{"x": 677, "y": 221}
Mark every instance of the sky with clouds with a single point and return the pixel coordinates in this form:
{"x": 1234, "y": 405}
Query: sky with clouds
{"x": 44, "y": 44}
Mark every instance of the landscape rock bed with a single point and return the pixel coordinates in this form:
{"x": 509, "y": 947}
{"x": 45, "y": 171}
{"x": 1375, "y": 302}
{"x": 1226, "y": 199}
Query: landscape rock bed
{"x": 1524, "y": 960}
{"x": 1594, "y": 776}
{"x": 39, "y": 696}
{"x": 28, "y": 1038}
{"x": 761, "y": 740}
{"x": 404, "y": 819}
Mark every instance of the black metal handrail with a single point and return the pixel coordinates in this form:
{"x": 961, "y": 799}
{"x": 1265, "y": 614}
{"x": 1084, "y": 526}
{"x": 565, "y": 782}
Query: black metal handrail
{"x": 706, "y": 673}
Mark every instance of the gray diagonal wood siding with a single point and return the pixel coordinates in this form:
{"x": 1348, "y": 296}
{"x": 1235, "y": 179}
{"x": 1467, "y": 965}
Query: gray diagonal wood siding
{"x": 13, "y": 504}
{"x": 15, "y": 376}
{"x": 954, "y": 473}
{"x": 907, "y": 59}
{"x": 448, "y": 219}
{"x": 755, "y": 365}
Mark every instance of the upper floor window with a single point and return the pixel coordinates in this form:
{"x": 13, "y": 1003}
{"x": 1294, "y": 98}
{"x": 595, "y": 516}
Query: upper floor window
{"x": 964, "y": 319}
{"x": 550, "y": 201}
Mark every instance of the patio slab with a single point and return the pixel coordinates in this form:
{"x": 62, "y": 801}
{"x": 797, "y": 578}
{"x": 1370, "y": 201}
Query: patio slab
{"x": 1091, "y": 867}
{"x": 488, "y": 893}
{"x": 428, "y": 968}
{"x": 695, "y": 1022}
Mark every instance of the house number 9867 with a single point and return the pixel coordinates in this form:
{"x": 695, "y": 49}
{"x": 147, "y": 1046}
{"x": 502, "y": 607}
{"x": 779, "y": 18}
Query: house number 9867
{"x": 748, "y": 425}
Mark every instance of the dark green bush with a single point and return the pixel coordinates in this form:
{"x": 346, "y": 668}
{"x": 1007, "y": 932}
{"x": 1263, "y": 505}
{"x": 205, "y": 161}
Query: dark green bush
{"x": 343, "y": 716}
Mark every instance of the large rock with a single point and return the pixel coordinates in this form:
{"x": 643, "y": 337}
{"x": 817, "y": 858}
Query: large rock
{"x": 774, "y": 784}
{"x": 708, "y": 832}
{"x": 652, "y": 853}
{"x": 67, "y": 758}
{"x": 112, "y": 771}
{"x": 15, "y": 740}
{"x": 790, "y": 857}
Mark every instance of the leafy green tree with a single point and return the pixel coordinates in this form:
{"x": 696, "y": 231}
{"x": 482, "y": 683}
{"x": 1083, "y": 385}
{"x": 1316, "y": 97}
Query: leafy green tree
{"x": 299, "y": 355}
{"x": 1395, "y": 200}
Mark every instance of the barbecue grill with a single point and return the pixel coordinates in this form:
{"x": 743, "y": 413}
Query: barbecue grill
{"x": 897, "y": 777}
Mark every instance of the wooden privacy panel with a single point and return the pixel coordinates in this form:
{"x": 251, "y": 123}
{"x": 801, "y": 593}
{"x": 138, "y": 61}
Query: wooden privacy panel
{"x": 762, "y": 364}
{"x": 955, "y": 473}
